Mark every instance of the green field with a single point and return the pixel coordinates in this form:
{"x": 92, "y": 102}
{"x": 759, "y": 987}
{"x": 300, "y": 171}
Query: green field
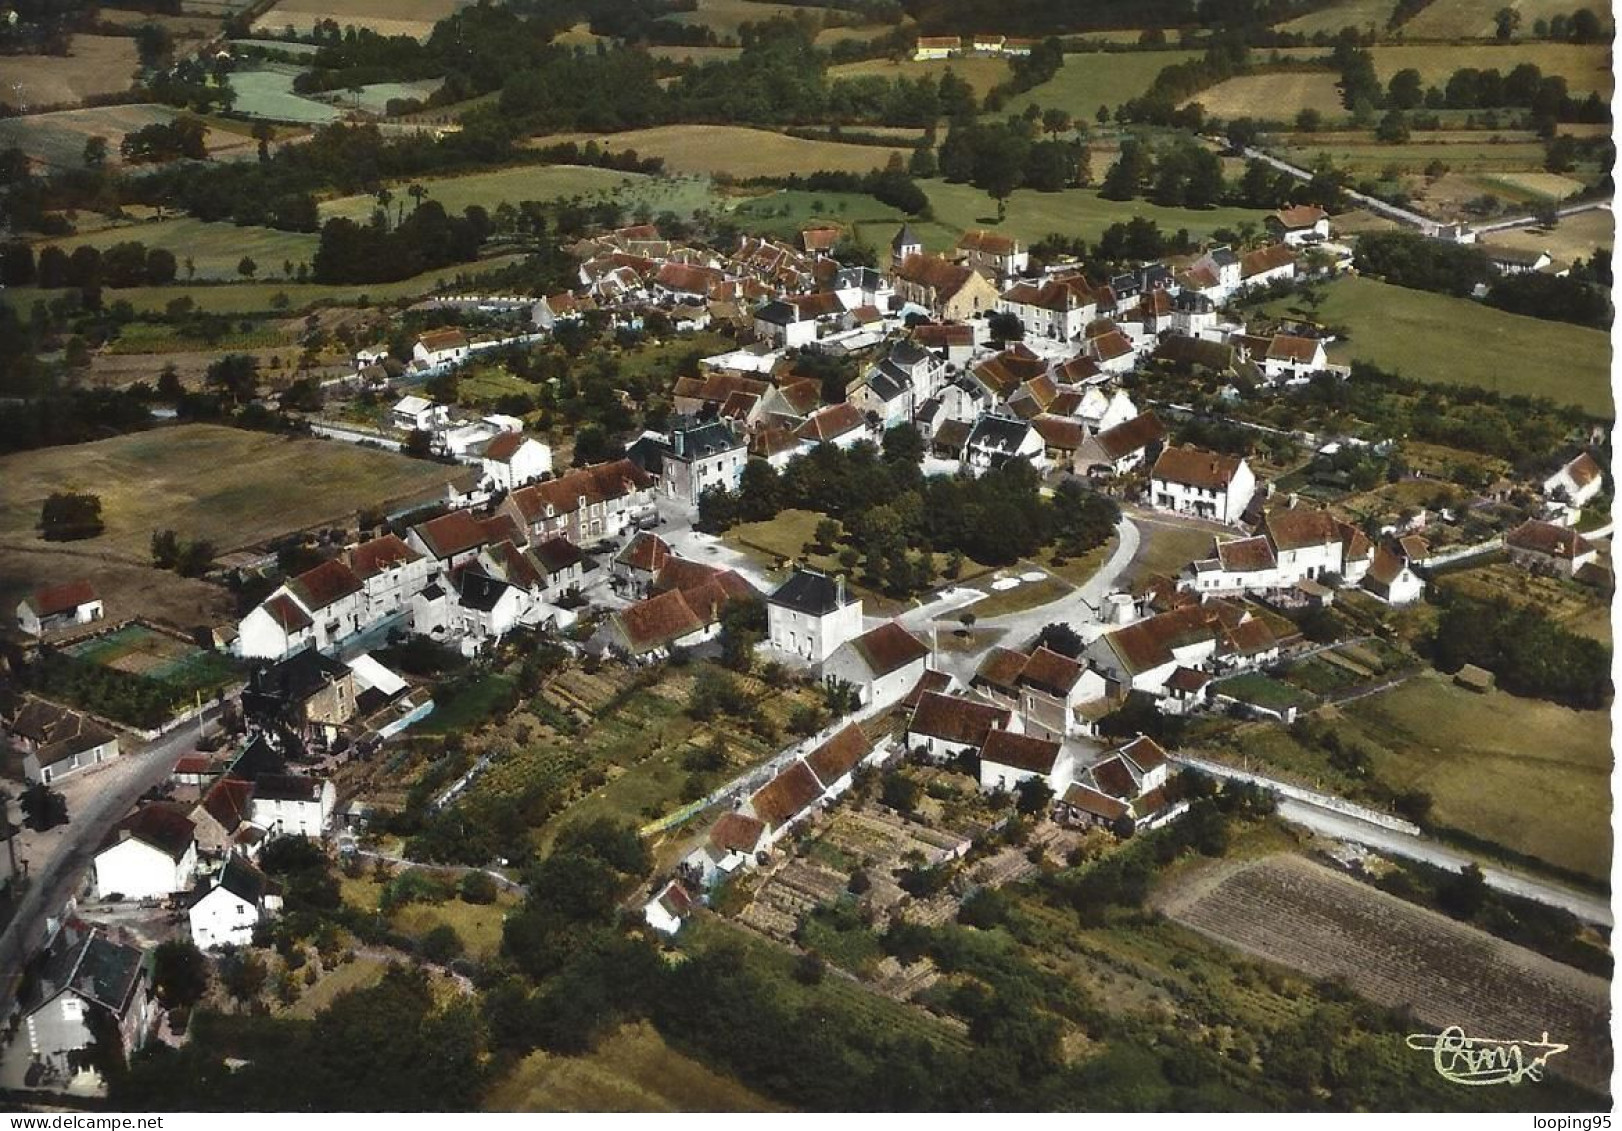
{"x": 1092, "y": 79}
{"x": 1585, "y": 67}
{"x": 1460, "y": 157}
{"x": 374, "y": 97}
{"x": 1361, "y": 14}
{"x": 1074, "y": 212}
{"x": 1463, "y": 19}
{"x": 1526, "y": 774}
{"x": 1264, "y": 691}
{"x": 228, "y": 486}
{"x": 632, "y": 1070}
{"x": 1436, "y": 338}
{"x": 58, "y": 139}
{"x": 526, "y": 182}
{"x": 215, "y": 249}
{"x": 268, "y": 93}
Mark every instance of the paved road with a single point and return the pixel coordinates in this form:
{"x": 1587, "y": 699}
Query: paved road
{"x": 1592, "y": 908}
{"x": 58, "y": 876}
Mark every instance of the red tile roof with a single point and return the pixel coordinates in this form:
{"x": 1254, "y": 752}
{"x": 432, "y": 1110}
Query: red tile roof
{"x": 1546, "y": 538}
{"x": 1196, "y": 467}
{"x": 943, "y": 277}
{"x": 327, "y": 583}
{"x": 1089, "y": 800}
{"x": 599, "y": 483}
{"x": 988, "y": 243}
{"x": 786, "y": 796}
{"x": 1021, "y": 751}
{"x": 831, "y": 423}
{"x": 1131, "y": 435}
{"x": 1000, "y": 669}
{"x": 1295, "y": 528}
{"x": 889, "y": 648}
{"x": 369, "y": 559}
{"x": 955, "y": 719}
{"x": 66, "y": 597}
{"x": 286, "y": 613}
{"x": 227, "y": 801}
{"x": 1052, "y": 672}
{"x": 839, "y": 755}
{"x": 503, "y": 447}
{"x": 737, "y": 832}
{"x": 1246, "y": 555}
{"x": 1265, "y": 259}
{"x": 657, "y": 621}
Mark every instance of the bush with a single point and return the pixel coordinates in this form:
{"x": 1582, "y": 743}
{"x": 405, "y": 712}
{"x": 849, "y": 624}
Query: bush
{"x": 478, "y": 887}
{"x": 441, "y": 944}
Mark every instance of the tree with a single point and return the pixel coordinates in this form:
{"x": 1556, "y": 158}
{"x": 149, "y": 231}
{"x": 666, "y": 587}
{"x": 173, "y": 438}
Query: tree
{"x": 67, "y": 516}
{"x": 95, "y": 152}
{"x": 900, "y": 793}
{"x": 179, "y": 973}
{"x": 1393, "y": 128}
{"x": 1056, "y": 121}
{"x": 1406, "y": 90}
{"x": 1061, "y": 638}
{"x": 1032, "y": 796}
{"x": 1005, "y": 326}
{"x": 1505, "y": 22}
{"x": 442, "y": 944}
{"x": 826, "y": 535}
{"x": 1465, "y": 894}
{"x": 246, "y": 267}
{"x": 478, "y": 887}
{"x": 43, "y": 808}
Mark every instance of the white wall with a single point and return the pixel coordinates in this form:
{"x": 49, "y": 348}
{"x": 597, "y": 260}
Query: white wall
{"x": 136, "y": 870}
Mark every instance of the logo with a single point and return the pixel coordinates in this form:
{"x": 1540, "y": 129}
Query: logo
{"x": 1478, "y": 1061}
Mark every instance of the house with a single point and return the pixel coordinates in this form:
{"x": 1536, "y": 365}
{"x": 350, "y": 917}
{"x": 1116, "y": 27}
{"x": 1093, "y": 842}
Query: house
{"x": 1002, "y": 375}
{"x": 389, "y": 572}
{"x": 943, "y": 726}
{"x": 1049, "y": 688}
{"x": 456, "y": 538}
{"x": 881, "y": 664}
{"x": 79, "y": 977}
{"x": 439, "y": 349}
{"x": 1110, "y": 349}
{"x": 485, "y": 610}
{"x": 1271, "y": 264}
{"x": 834, "y": 762}
{"x": 56, "y": 742}
{"x": 1577, "y": 483}
{"x": 511, "y": 459}
{"x": 320, "y": 608}
{"x": 841, "y": 425}
{"x": 226, "y": 912}
{"x": 150, "y": 854}
{"x": 781, "y": 323}
{"x": 684, "y": 611}
{"x": 884, "y": 395}
{"x": 1297, "y": 544}
{"x": 1128, "y": 788}
{"x": 937, "y": 47}
{"x": 1197, "y": 482}
{"x": 1391, "y": 576}
{"x": 1544, "y": 548}
{"x": 1515, "y": 260}
{"x": 221, "y": 818}
{"x": 292, "y": 805}
{"x": 667, "y": 911}
{"x": 811, "y": 614}
{"x": 734, "y": 843}
{"x": 1008, "y": 759}
{"x": 1299, "y": 225}
{"x": 1122, "y": 449}
{"x": 1217, "y": 636}
{"x": 785, "y": 800}
{"x": 952, "y": 342}
{"x": 59, "y": 606}
{"x": 641, "y": 559}
{"x": 691, "y": 458}
{"x": 994, "y": 440}
{"x": 310, "y": 693}
{"x": 586, "y": 505}
{"x": 951, "y": 292}
{"x": 1056, "y": 309}
{"x": 419, "y": 414}
{"x": 993, "y": 254}
{"x": 1293, "y": 358}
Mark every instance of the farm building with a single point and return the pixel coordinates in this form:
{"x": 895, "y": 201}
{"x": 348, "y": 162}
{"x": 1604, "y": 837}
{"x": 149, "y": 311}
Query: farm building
{"x": 59, "y": 606}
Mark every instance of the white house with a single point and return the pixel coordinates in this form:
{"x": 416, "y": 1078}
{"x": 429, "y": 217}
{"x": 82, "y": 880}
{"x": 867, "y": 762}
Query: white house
{"x": 733, "y": 844}
{"x": 1296, "y": 544}
{"x": 1217, "y": 636}
{"x": 691, "y": 457}
{"x": 227, "y": 912}
{"x": 1122, "y": 449}
{"x": 1391, "y": 575}
{"x": 419, "y": 414}
{"x": 150, "y": 854}
{"x": 992, "y": 253}
{"x": 390, "y": 573}
{"x": 882, "y": 664}
{"x": 487, "y": 608}
{"x": 1055, "y": 309}
{"x": 1007, "y": 759}
{"x": 1516, "y": 261}
{"x": 834, "y": 762}
{"x": 1206, "y": 484}
{"x": 290, "y": 805}
{"x": 667, "y": 911}
{"x": 512, "y": 459}
{"x": 995, "y": 440}
{"x": 439, "y": 348}
{"x": 59, "y": 606}
{"x": 56, "y": 742}
{"x": 1299, "y": 225}
{"x": 937, "y": 47}
{"x": 321, "y": 606}
{"x": 1543, "y": 547}
{"x": 811, "y": 614}
{"x": 1577, "y": 482}
{"x": 1293, "y": 358}
{"x": 943, "y": 726}
{"x": 1127, "y": 786}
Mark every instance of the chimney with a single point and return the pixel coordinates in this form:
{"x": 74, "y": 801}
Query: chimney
{"x": 839, "y": 588}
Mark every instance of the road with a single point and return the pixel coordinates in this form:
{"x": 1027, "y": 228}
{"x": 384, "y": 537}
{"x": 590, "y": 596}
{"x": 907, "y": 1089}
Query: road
{"x": 58, "y": 876}
{"x": 1591, "y": 908}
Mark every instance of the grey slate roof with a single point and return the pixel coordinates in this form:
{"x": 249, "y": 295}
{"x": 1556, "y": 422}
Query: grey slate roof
{"x": 810, "y": 592}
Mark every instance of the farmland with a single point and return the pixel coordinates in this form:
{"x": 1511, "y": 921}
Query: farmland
{"x": 1576, "y": 236}
{"x": 1436, "y": 338}
{"x": 1530, "y": 775}
{"x": 94, "y": 65}
{"x": 724, "y": 17}
{"x": 1368, "y": 158}
{"x": 1585, "y": 67}
{"x": 1272, "y": 95}
{"x": 632, "y": 1070}
{"x": 1089, "y": 80}
{"x": 169, "y": 477}
{"x": 1473, "y": 19}
{"x": 268, "y": 93}
{"x": 1287, "y": 910}
{"x": 415, "y": 18}
{"x": 738, "y": 151}
{"x": 981, "y": 74}
{"x": 1360, "y": 14}
{"x": 57, "y": 139}
{"x": 214, "y": 248}
{"x": 538, "y": 182}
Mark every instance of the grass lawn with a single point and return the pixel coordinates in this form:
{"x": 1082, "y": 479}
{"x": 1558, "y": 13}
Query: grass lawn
{"x": 386, "y": 17}
{"x": 1437, "y": 338}
{"x": 488, "y": 384}
{"x": 215, "y": 249}
{"x": 1460, "y": 19}
{"x": 633, "y": 1070}
{"x": 469, "y": 705}
{"x": 161, "y": 337}
{"x": 1092, "y": 79}
{"x": 1372, "y": 158}
{"x": 1262, "y": 96}
{"x": 356, "y": 975}
{"x": 1576, "y": 236}
{"x": 1527, "y": 774}
{"x": 93, "y": 65}
{"x": 1165, "y": 549}
{"x": 1264, "y": 691}
{"x": 478, "y": 925}
{"x": 58, "y": 138}
{"x": 172, "y": 478}
{"x": 1343, "y": 13}
{"x": 1025, "y": 595}
{"x": 726, "y": 16}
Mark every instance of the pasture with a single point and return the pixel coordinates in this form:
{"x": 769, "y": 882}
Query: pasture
{"x": 525, "y": 182}
{"x": 981, "y": 74}
{"x": 170, "y": 478}
{"x": 214, "y": 249}
{"x": 1473, "y": 19}
{"x": 415, "y": 18}
{"x": 1272, "y": 95}
{"x": 268, "y": 93}
{"x": 737, "y": 150}
{"x": 1091, "y": 79}
{"x": 631, "y": 1070}
{"x": 375, "y": 97}
{"x": 698, "y": 54}
{"x": 94, "y": 65}
{"x": 1287, "y": 910}
{"x": 1371, "y": 158}
{"x": 57, "y": 138}
{"x": 1585, "y": 67}
{"x": 1437, "y": 338}
{"x": 1574, "y": 237}
{"x": 1361, "y": 14}
{"x": 1530, "y": 775}
{"x": 125, "y": 587}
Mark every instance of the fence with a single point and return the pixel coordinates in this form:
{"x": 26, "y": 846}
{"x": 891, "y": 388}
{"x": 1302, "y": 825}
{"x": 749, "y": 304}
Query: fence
{"x": 354, "y": 436}
{"x": 1305, "y": 796}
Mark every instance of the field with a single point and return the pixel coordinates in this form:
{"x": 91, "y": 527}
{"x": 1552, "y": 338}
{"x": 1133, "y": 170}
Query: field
{"x": 215, "y": 249}
{"x": 737, "y": 150}
{"x": 357, "y": 975}
{"x": 1585, "y": 67}
{"x": 1287, "y": 910}
{"x": 375, "y": 97}
{"x": 1473, "y": 19}
{"x": 57, "y": 139}
{"x": 1074, "y": 212}
{"x": 526, "y": 182}
{"x": 138, "y": 650}
{"x": 1089, "y": 80}
{"x": 415, "y": 18}
{"x": 268, "y": 93}
{"x": 1432, "y": 337}
{"x": 1576, "y": 236}
{"x": 981, "y": 74}
{"x": 700, "y": 55}
{"x": 633, "y": 1070}
{"x": 1273, "y": 95}
{"x": 1530, "y": 775}
{"x": 1360, "y": 14}
{"x": 126, "y": 588}
{"x": 177, "y": 478}
{"x": 726, "y": 16}
{"x": 95, "y": 64}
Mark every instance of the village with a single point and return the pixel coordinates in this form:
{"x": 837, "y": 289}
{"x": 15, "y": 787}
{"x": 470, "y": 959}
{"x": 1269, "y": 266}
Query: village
{"x": 936, "y": 710}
